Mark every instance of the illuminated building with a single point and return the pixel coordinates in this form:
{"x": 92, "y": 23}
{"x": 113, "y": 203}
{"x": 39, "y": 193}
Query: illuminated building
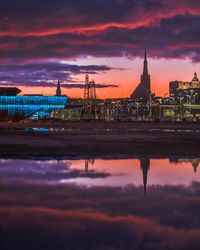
{"x": 143, "y": 90}
{"x": 30, "y": 106}
{"x": 186, "y": 92}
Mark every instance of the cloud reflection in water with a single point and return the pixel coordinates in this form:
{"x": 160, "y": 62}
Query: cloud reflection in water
{"x": 36, "y": 215}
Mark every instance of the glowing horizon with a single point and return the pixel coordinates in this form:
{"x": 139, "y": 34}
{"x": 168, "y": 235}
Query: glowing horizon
{"x": 161, "y": 71}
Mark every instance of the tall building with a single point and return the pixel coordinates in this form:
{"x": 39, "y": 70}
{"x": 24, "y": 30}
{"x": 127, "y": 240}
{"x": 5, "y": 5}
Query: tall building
{"x": 58, "y": 89}
{"x": 143, "y": 90}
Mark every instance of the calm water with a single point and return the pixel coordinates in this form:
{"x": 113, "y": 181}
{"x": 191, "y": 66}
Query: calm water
{"x": 100, "y": 204}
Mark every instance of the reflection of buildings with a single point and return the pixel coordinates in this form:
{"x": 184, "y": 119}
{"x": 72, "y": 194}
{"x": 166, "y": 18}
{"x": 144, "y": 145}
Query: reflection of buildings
{"x": 143, "y": 90}
{"x": 188, "y": 92}
{"x": 195, "y": 162}
{"x": 145, "y": 167}
{"x": 87, "y": 162}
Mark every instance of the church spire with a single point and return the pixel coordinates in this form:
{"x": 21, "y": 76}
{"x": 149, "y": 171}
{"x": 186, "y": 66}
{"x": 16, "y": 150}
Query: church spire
{"x": 145, "y": 68}
{"x": 143, "y": 90}
{"x": 145, "y": 77}
{"x": 145, "y": 166}
{"x": 58, "y": 89}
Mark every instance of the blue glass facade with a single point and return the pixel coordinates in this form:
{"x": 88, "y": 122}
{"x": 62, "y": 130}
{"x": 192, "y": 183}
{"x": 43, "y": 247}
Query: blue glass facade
{"x": 32, "y": 106}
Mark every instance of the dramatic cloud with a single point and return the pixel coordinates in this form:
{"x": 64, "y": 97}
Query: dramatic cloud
{"x": 67, "y": 29}
{"x": 40, "y": 210}
{"x": 47, "y": 74}
{"x": 42, "y": 31}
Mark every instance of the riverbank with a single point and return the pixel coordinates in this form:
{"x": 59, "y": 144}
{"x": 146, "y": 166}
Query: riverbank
{"x": 98, "y": 140}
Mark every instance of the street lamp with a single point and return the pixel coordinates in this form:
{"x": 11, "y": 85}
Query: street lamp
{"x": 194, "y": 98}
{"x": 172, "y": 98}
{"x": 180, "y": 99}
{"x": 188, "y": 98}
{"x": 191, "y": 94}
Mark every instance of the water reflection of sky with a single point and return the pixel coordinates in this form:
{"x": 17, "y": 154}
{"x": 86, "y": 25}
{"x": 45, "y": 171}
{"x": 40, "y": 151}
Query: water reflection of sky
{"x": 118, "y": 172}
{"x": 48, "y": 205}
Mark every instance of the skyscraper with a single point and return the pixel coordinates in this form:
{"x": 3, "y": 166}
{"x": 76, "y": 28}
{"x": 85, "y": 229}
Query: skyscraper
{"x": 143, "y": 90}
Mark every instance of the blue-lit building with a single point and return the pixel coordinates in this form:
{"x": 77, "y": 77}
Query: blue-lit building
{"x": 29, "y": 106}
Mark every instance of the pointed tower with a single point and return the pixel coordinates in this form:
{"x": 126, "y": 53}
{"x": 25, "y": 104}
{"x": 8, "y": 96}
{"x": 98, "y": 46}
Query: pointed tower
{"x": 86, "y": 166}
{"x": 145, "y": 77}
{"x": 195, "y": 79}
{"x": 195, "y": 164}
{"x": 143, "y": 90}
{"x": 145, "y": 166}
{"x": 58, "y": 89}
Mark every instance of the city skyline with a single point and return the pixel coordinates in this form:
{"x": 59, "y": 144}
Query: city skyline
{"x": 42, "y": 43}
{"x": 126, "y": 85}
{"x": 99, "y": 124}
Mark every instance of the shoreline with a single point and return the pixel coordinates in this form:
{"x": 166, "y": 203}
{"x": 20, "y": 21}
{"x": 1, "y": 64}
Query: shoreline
{"x": 85, "y": 140}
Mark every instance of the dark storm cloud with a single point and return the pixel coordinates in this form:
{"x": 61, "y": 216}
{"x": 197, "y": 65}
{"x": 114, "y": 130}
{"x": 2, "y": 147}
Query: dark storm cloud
{"x": 73, "y": 28}
{"x": 99, "y": 217}
{"x": 46, "y": 74}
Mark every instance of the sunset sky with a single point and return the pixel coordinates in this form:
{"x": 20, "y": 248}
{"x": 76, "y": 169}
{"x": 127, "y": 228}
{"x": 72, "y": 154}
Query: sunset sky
{"x": 49, "y": 40}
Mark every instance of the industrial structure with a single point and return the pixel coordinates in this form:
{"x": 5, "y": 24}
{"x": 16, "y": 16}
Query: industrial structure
{"x": 89, "y": 100}
{"x": 89, "y": 91}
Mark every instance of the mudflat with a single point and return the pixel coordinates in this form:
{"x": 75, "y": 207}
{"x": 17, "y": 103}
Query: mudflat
{"x": 98, "y": 139}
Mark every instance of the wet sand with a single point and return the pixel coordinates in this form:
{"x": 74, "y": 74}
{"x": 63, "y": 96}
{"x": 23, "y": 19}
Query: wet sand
{"x": 99, "y": 140}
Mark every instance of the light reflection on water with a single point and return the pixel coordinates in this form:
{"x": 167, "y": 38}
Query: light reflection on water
{"x": 112, "y": 130}
{"x": 64, "y": 130}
